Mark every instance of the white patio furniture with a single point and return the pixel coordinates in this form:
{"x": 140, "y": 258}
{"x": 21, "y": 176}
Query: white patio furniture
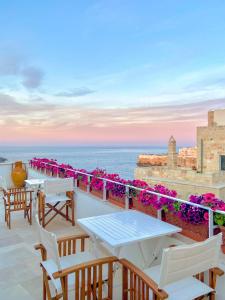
{"x": 67, "y": 265}
{"x": 120, "y": 229}
{"x": 35, "y": 185}
{"x": 180, "y": 275}
{"x": 57, "y": 196}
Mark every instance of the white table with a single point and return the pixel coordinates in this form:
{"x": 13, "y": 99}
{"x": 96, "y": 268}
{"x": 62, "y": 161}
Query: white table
{"x": 123, "y": 228}
{"x": 35, "y": 185}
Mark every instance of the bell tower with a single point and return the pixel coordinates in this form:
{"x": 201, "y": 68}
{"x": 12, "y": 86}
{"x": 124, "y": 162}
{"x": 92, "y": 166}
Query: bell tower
{"x": 172, "y": 153}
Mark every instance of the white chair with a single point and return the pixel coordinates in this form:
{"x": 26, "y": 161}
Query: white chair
{"x": 67, "y": 268}
{"x": 181, "y": 273}
{"x": 57, "y": 195}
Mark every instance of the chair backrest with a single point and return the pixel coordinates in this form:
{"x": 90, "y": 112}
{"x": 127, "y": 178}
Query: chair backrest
{"x": 57, "y": 186}
{"x": 189, "y": 260}
{"x": 49, "y": 241}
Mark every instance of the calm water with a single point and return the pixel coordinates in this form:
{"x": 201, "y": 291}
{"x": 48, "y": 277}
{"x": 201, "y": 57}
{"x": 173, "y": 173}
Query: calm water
{"x": 120, "y": 160}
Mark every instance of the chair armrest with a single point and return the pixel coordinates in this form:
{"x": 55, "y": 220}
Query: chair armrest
{"x": 43, "y": 251}
{"x": 38, "y": 247}
{"x": 217, "y": 271}
{"x": 70, "y": 194}
{"x": 68, "y": 245}
{"x": 161, "y": 294}
{"x": 87, "y": 265}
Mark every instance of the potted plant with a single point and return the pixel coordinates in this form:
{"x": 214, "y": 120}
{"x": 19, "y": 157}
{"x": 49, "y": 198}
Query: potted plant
{"x": 134, "y": 193}
{"x": 147, "y": 202}
{"x": 116, "y": 192}
{"x": 96, "y": 186}
{"x": 219, "y": 219}
{"x": 82, "y": 179}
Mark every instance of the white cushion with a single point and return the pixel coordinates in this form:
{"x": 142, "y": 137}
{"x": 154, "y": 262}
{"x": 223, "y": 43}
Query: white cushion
{"x": 185, "y": 289}
{"x": 56, "y": 198}
{"x": 66, "y": 261}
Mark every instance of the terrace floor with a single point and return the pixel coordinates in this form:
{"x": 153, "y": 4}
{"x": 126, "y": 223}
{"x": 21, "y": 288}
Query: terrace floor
{"x": 20, "y": 272}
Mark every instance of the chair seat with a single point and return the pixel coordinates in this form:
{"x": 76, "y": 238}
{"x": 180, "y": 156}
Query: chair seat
{"x": 185, "y": 289}
{"x": 52, "y": 199}
{"x": 66, "y": 261}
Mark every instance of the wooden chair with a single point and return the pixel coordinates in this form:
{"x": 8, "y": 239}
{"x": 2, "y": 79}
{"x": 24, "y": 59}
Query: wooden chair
{"x": 68, "y": 267}
{"x": 16, "y": 199}
{"x": 180, "y": 275}
{"x": 57, "y": 195}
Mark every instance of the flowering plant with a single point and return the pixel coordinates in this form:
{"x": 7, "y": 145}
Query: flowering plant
{"x": 164, "y": 202}
{"x": 96, "y": 182}
{"x": 185, "y": 211}
{"x": 82, "y": 177}
{"x": 147, "y": 198}
{"x": 118, "y": 190}
{"x": 137, "y": 183}
{"x": 210, "y": 200}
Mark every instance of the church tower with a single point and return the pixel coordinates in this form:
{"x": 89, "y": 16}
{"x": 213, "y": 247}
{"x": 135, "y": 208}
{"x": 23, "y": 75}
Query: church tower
{"x": 172, "y": 153}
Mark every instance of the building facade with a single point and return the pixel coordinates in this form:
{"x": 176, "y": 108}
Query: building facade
{"x": 192, "y": 170}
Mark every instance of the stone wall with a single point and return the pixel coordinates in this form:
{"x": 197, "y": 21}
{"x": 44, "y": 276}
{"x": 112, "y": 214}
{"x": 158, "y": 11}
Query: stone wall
{"x": 185, "y": 182}
{"x": 211, "y": 145}
{"x": 152, "y": 160}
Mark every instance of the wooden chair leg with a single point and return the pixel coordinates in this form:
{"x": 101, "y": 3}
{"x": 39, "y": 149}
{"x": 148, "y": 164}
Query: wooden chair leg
{"x": 67, "y": 211}
{"x": 43, "y": 216}
{"x": 30, "y": 213}
{"x": 73, "y": 212}
{"x": 46, "y": 288}
{"x": 212, "y": 296}
{"x": 9, "y": 218}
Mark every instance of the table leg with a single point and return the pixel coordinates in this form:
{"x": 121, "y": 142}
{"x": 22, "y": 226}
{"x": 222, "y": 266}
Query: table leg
{"x": 155, "y": 254}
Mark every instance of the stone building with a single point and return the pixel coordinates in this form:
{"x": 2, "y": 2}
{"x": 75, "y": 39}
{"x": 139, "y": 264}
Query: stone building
{"x": 192, "y": 170}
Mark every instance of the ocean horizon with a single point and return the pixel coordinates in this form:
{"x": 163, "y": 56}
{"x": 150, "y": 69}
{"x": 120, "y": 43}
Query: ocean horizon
{"x": 114, "y": 159}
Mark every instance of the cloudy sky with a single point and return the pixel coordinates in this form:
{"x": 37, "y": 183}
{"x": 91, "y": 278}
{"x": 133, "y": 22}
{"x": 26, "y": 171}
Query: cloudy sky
{"x": 83, "y": 72}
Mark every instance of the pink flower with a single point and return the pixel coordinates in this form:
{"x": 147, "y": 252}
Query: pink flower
{"x": 206, "y": 216}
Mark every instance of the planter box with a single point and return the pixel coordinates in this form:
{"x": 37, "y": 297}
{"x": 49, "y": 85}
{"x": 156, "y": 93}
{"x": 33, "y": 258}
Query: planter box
{"x": 82, "y": 185}
{"x": 199, "y": 232}
{"x": 116, "y": 200}
{"x": 97, "y": 193}
{"x": 147, "y": 209}
{"x": 48, "y": 173}
{"x": 222, "y": 229}
{"x": 61, "y": 175}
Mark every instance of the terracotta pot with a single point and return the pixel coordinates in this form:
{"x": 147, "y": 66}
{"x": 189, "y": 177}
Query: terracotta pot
{"x": 19, "y": 174}
{"x": 199, "y": 232}
{"x": 116, "y": 200}
{"x": 97, "y": 193}
{"x": 147, "y": 209}
{"x": 222, "y": 229}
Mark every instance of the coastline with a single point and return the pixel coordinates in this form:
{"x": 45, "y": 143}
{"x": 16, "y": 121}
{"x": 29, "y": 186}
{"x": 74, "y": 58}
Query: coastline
{"x": 2, "y": 159}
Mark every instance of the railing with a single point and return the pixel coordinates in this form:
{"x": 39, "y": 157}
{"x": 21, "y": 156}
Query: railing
{"x": 211, "y": 212}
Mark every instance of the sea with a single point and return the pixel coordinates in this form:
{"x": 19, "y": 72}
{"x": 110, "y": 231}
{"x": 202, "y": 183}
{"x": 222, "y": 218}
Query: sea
{"x": 114, "y": 159}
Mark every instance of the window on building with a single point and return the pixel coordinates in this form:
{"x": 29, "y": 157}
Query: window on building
{"x": 222, "y": 162}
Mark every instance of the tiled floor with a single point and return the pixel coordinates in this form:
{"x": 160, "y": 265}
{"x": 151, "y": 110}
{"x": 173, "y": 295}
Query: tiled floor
{"x": 20, "y": 273}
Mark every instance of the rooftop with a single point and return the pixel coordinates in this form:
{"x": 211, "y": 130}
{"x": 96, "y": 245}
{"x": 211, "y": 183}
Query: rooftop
{"x": 21, "y": 276}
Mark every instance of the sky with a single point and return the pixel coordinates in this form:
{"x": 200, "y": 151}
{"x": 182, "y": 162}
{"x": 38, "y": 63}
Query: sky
{"x": 109, "y": 71}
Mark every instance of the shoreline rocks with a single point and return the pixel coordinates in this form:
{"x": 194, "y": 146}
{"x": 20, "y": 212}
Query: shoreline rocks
{"x": 2, "y": 159}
